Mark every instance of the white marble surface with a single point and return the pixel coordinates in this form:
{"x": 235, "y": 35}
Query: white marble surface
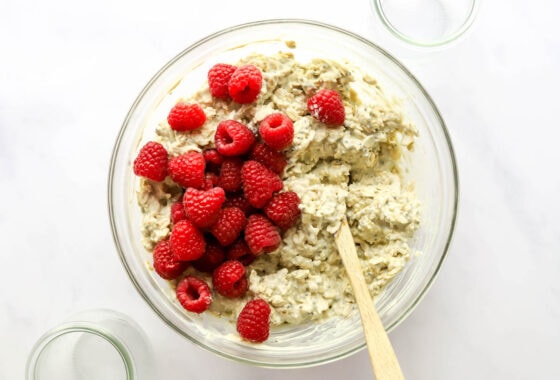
{"x": 70, "y": 70}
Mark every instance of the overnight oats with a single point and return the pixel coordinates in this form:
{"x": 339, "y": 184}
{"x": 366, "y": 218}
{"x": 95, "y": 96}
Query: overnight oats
{"x": 244, "y": 185}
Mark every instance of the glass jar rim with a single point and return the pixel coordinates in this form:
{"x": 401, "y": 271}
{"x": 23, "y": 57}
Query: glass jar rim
{"x": 458, "y": 32}
{"x": 78, "y": 327}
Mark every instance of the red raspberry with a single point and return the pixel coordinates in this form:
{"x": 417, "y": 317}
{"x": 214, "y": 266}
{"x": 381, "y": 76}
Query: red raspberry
{"x": 259, "y": 183}
{"x": 239, "y": 201}
{"x": 277, "y": 131}
{"x": 194, "y": 294}
{"x": 240, "y": 252}
{"x": 283, "y": 209}
{"x": 212, "y": 156}
{"x": 231, "y": 222}
{"x": 186, "y": 241}
{"x": 210, "y": 180}
{"x": 269, "y": 157}
{"x": 151, "y": 162}
{"x": 230, "y": 174}
{"x": 164, "y": 262}
{"x": 187, "y": 170}
{"x": 213, "y": 160}
{"x": 233, "y": 138}
{"x": 327, "y": 107}
{"x": 202, "y": 207}
{"x": 178, "y": 212}
{"x": 218, "y": 79}
{"x": 245, "y": 84}
{"x": 186, "y": 117}
{"x": 211, "y": 259}
{"x": 230, "y": 280}
{"x": 261, "y": 235}
{"x": 253, "y": 323}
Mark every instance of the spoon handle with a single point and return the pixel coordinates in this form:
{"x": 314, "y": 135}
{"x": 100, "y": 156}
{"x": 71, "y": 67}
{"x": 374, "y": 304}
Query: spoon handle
{"x": 382, "y": 356}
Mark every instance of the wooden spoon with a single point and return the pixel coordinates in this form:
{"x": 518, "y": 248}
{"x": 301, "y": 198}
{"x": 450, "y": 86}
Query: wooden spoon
{"x": 383, "y": 359}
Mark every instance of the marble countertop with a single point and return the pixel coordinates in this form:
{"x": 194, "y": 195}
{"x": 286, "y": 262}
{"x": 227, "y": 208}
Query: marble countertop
{"x": 69, "y": 72}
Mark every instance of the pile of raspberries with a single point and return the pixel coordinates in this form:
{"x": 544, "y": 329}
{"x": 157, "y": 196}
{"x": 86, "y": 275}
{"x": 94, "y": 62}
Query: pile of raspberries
{"x": 233, "y": 208}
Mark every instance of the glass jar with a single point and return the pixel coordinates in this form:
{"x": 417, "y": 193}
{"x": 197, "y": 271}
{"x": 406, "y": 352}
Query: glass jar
{"x": 93, "y": 344}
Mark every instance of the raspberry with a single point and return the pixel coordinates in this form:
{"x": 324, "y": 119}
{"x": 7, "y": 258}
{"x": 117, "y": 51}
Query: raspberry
{"x": 151, "y": 162}
{"x": 253, "y": 323}
{"x": 229, "y": 279}
{"x": 327, "y": 107}
{"x": 283, "y": 209}
{"x": 178, "y": 212}
{"x": 210, "y": 180}
{"x": 213, "y": 160}
{"x": 187, "y": 170}
{"x": 186, "y": 117}
{"x": 212, "y": 156}
{"x": 239, "y": 201}
{"x": 259, "y": 183}
{"x": 164, "y": 262}
{"x": 211, "y": 259}
{"x": 245, "y": 84}
{"x": 231, "y": 222}
{"x": 218, "y": 79}
{"x": 233, "y": 138}
{"x": 240, "y": 252}
{"x": 202, "y": 207}
{"x": 277, "y": 131}
{"x": 186, "y": 241}
{"x": 261, "y": 235}
{"x": 269, "y": 157}
{"x": 194, "y": 294}
{"x": 230, "y": 174}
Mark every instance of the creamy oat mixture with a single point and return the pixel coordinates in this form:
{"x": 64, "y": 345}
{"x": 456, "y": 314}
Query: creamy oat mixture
{"x": 352, "y": 170}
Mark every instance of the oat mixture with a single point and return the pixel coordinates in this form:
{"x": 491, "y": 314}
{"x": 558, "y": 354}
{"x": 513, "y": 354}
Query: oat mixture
{"x": 352, "y": 170}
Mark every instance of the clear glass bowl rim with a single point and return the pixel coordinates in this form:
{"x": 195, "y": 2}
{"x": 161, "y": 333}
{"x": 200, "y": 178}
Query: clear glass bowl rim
{"x": 248, "y": 25}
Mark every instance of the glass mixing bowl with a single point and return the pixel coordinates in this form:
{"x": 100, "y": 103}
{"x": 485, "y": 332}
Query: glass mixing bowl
{"x": 431, "y": 166}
